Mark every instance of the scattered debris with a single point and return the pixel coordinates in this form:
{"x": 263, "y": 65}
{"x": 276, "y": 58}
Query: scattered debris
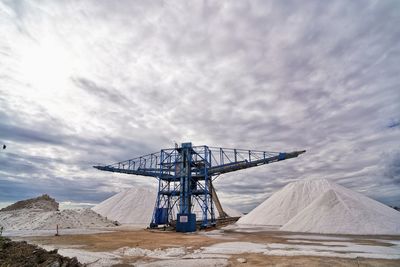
{"x": 241, "y": 260}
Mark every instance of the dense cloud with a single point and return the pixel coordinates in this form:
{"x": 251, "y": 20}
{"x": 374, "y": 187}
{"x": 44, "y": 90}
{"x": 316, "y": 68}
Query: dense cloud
{"x": 87, "y": 82}
{"x": 393, "y": 167}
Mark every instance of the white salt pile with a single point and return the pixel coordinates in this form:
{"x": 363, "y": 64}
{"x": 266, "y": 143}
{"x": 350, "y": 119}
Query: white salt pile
{"x": 136, "y": 206}
{"x": 42, "y": 213}
{"x": 31, "y": 219}
{"x": 321, "y": 206}
{"x": 341, "y": 210}
{"x": 131, "y": 206}
{"x": 283, "y": 205}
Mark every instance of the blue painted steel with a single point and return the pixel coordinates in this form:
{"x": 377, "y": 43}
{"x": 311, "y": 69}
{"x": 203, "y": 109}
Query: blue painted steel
{"x": 161, "y": 216}
{"x": 185, "y": 177}
{"x": 282, "y": 156}
{"x": 186, "y": 222}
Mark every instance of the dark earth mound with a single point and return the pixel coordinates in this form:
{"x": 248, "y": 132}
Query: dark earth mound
{"x": 22, "y": 254}
{"x": 44, "y": 202}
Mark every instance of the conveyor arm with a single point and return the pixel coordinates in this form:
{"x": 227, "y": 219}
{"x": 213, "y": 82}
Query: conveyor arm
{"x": 235, "y": 166}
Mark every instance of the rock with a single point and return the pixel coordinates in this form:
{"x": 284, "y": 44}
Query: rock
{"x": 55, "y": 264}
{"x": 74, "y": 262}
{"x": 18, "y": 254}
{"x": 54, "y": 251}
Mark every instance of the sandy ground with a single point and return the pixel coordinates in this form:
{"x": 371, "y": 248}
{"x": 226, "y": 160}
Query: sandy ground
{"x": 307, "y": 261}
{"x": 213, "y": 250}
{"x": 146, "y": 239}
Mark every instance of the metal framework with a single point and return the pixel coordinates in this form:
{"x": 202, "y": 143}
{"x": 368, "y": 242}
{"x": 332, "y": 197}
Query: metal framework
{"x": 185, "y": 178}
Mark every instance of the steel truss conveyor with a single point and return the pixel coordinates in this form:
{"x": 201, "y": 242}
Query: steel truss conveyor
{"x": 185, "y": 177}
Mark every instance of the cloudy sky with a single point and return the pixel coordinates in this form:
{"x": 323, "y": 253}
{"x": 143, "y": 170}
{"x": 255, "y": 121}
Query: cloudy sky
{"x": 87, "y": 82}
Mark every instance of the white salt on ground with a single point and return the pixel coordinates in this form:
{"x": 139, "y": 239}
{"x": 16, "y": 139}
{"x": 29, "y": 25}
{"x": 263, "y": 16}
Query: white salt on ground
{"x": 321, "y": 206}
{"x": 136, "y": 206}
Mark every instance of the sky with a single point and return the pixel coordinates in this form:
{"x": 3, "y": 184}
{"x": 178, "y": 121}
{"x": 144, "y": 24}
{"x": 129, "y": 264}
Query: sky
{"x": 96, "y": 82}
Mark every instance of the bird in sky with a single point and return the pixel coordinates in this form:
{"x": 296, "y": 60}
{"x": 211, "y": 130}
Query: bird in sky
{"x": 4, "y": 146}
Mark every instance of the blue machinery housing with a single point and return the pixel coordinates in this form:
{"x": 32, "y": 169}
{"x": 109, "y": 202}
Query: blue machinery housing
{"x": 185, "y": 179}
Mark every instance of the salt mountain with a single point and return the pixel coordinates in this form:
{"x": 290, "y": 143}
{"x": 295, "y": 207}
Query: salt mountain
{"x": 321, "y": 206}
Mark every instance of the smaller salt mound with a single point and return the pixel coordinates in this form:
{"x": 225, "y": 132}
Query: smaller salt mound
{"x": 131, "y": 206}
{"x": 342, "y": 211}
{"x": 283, "y": 205}
{"x": 33, "y": 219}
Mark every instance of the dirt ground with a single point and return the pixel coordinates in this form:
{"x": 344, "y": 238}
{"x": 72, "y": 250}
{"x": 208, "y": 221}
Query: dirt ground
{"x": 150, "y": 239}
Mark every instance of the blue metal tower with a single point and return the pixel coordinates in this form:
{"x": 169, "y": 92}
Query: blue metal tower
{"x": 185, "y": 179}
